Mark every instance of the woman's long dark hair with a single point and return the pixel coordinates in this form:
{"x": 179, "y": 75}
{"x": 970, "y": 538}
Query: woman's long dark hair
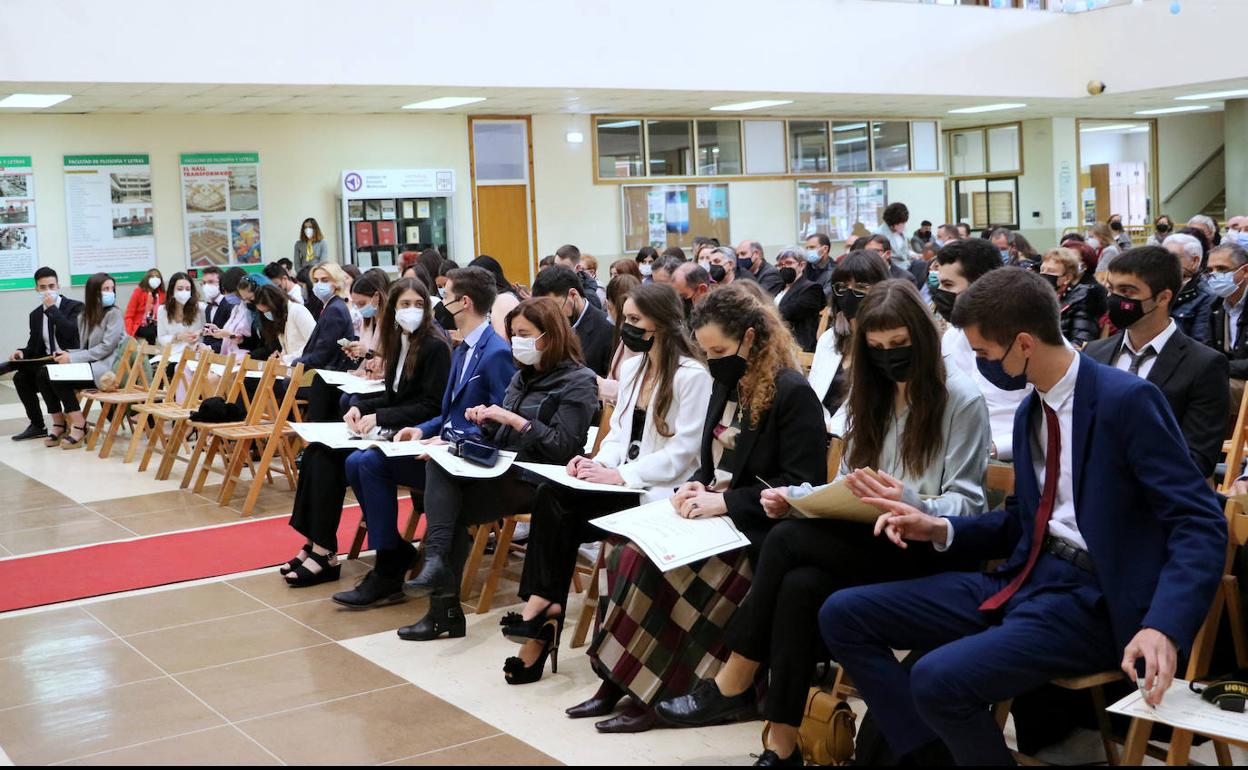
{"x": 373, "y": 282}
{"x": 661, "y": 304}
{"x": 275, "y": 299}
{"x": 392, "y": 333}
{"x": 863, "y": 268}
{"x": 190, "y": 309}
{"x": 491, "y": 264}
{"x": 93, "y": 311}
{"x": 617, "y": 291}
{"x": 872, "y": 395}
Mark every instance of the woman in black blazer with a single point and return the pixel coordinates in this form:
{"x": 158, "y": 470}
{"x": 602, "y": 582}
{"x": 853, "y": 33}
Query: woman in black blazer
{"x": 764, "y": 427}
{"x": 418, "y": 363}
{"x": 801, "y": 301}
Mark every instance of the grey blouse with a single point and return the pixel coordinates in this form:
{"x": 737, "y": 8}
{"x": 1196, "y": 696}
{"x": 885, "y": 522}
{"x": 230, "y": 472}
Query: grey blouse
{"x": 953, "y": 484}
{"x": 102, "y": 345}
{"x": 300, "y": 258}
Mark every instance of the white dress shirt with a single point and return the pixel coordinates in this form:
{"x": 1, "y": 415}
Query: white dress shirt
{"x": 1233, "y": 312}
{"x": 780, "y": 296}
{"x": 471, "y": 341}
{"x": 1156, "y": 343}
{"x": 47, "y": 330}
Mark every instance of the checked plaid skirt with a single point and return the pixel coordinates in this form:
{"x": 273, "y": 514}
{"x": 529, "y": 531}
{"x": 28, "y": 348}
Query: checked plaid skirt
{"x": 661, "y": 631}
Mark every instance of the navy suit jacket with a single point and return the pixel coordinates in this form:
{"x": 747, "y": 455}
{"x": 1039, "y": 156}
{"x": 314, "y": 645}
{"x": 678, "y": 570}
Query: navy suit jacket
{"x": 1153, "y": 526}
{"x": 322, "y": 350}
{"x": 484, "y": 382}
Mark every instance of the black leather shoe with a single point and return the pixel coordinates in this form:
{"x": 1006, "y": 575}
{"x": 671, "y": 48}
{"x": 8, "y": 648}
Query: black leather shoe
{"x": 373, "y": 591}
{"x": 602, "y": 703}
{"x": 32, "y": 431}
{"x": 770, "y": 758}
{"x": 634, "y": 720}
{"x": 434, "y": 577}
{"x": 445, "y": 616}
{"x": 705, "y": 705}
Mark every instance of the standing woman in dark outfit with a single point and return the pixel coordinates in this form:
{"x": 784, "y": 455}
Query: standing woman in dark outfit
{"x": 418, "y": 362}
{"x": 544, "y": 418}
{"x": 764, "y": 427}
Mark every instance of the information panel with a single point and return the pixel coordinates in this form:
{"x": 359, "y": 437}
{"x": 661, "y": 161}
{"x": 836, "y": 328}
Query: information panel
{"x": 221, "y": 208}
{"x": 108, "y": 211}
{"x": 19, "y": 248}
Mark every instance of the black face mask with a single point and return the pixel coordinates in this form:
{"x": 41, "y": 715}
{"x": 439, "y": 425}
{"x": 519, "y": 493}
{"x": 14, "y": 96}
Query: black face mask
{"x": 444, "y": 317}
{"x": 728, "y": 370}
{"x": 894, "y": 362}
{"x": 251, "y": 306}
{"x": 788, "y": 275}
{"x": 848, "y": 303}
{"x": 718, "y": 273}
{"x": 943, "y": 300}
{"x": 994, "y": 372}
{"x": 1052, "y": 279}
{"x": 634, "y": 338}
{"x": 1124, "y": 312}
{"x": 1163, "y": 228}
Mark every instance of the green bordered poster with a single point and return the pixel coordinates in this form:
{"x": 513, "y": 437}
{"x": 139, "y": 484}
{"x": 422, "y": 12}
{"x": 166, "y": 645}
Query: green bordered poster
{"x": 221, "y": 208}
{"x": 108, "y": 211}
{"x": 19, "y": 248}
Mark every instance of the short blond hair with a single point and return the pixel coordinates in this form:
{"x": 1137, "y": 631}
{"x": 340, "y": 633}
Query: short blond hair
{"x": 336, "y": 276}
{"x": 1067, "y": 258}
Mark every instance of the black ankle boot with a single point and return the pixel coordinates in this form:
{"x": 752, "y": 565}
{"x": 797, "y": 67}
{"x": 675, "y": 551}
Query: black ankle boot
{"x": 435, "y": 578}
{"x": 445, "y": 616}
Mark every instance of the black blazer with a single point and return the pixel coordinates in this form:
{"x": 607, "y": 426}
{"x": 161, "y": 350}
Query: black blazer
{"x": 419, "y": 397}
{"x": 800, "y": 308}
{"x": 217, "y": 317}
{"x": 595, "y": 333}
{"x": 64, "y": 326}
{"x": 768, "y": 277}
{"x": 787, "y": 447}
{"x": 1193, "y": 378}
{"x": 1237, "y": 355}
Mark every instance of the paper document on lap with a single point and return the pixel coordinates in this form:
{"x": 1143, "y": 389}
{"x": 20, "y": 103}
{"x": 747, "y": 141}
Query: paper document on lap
{"x": 834, "y": 501}
{"x": 334, "y": 435}
{"x": 559, "y": 475}
{"x": 457, "y": 466}
{"x": 70, "y": 372}
{"x": 670, "y": 540}
{"x": 1182, "y": 708}
{"x": 349, "y": 383}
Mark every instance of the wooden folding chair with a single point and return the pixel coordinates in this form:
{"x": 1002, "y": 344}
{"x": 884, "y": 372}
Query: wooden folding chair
{"x": 275, "y": 435}
{"x": 136, "y": 388}
{"x": 178, "y": 415}
{"x": 232, "y": 389}
{"x": 125, "y": 358}
{"x": 806, "y": 360}
{"x": 825, "y": 318}
{"x": 156, "y": 397}
{"x": 409, "y": 532}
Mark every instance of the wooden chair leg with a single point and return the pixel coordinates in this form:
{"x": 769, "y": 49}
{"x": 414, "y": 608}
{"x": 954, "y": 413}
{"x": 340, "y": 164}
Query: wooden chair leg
{"x": 357, "y": 544}
{"x": 590, "y": 607}
{"x": 119, "y": 413}
{"x": 413, "y": 519}
{"x": 1001, "y": 712}
{"x": 479, "y": 542}
{"x": 1223, "y": 753}
{"x": 240, "y": 453}
{"x": 140, "y": 430}
{"x": 93, "y": 436}
{"x": 1235, "y": 616}
{"x": 157, "y": 437}
{"x": 258, "y": 480}
{"x": 1106, "y": 729}
{"x": 1137, "y": 742}
{"x": 502, "y": 549}
{"x": 173, "y": 450}
{"x": 1180, "y": 748}
{"x": 212, "y": 448}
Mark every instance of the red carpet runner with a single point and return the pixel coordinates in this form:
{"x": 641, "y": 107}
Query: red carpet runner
{"x": 144, "y": 562}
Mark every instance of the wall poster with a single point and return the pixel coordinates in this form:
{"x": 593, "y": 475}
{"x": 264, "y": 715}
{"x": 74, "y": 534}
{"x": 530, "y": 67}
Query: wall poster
{"x": 221, "y": 208}
{"x": 108, "y": 212}
{"x": 19, "y": 249}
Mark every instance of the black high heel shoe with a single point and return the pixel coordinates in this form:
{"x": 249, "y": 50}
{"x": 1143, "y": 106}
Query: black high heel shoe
{"x": 521, "y": 631}
{"x": 295, "y": 562}
{"x": 304, "y": 577}
{"x": 516, "y": 672}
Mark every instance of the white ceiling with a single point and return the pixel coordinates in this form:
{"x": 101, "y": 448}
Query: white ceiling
{"x": 210, "y": 99}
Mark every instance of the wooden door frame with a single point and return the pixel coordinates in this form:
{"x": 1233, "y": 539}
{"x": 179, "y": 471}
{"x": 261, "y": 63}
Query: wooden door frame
{"x": 532, "y": 185}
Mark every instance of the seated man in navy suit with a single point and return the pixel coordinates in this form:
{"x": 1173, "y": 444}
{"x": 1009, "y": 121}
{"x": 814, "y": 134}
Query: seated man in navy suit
{"x": 1113, "y": 542}
{"x": 481, "y": 368}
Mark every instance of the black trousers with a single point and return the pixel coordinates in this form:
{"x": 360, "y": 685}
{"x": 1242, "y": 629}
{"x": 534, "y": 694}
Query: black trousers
{"x": 453, "y": 503}
{"x": 561, "y": 522}
{"x": 325, "y": 402}
{"x": 320, "y": 495}
{"x": 803, "y": 562}
{"x": 26, "y": 381}
{"x": 60, "y": 396}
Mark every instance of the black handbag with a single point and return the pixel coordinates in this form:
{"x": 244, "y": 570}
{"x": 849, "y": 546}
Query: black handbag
{"x": 472, "y": 447}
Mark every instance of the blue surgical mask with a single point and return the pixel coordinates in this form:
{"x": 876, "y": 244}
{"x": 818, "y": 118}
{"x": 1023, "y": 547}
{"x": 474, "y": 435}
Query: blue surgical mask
{"x": 108, "y": 298}
{"x": 812, "y": 256}
{"x": 268, "y": 315}
{"x": 995, "y": 373}
{"x": 323, "y": 291}
{"x": 939, "y": 243}
{"x": 368, "y": 311}
{"x": 1005, "y": 255}
{"x": 1221, "y": 284}
{"x": 933, "y": 279}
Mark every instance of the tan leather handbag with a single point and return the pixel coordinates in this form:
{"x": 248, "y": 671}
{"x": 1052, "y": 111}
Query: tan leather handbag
{"x": 826, "y": 736}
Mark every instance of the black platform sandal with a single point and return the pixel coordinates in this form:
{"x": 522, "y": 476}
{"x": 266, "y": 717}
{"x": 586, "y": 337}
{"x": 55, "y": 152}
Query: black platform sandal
{"x": 523, "y": 631}
{"x": 516, "y": 672}
{"x": 290, "y": 566}
{"x": 304, "y": 577}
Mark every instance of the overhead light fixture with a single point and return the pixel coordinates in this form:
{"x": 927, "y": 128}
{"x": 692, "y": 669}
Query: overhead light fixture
{"x": 1172, "y": 110}
{"x": 444, "y": 103}
{"x": 1114, "y": 127}
{"x": 574, "y": 137}
{"x": 31, "y": 101}
{"x": 1214, "y": 95}
{"x": 757, "y": 105}
{"x": 986, "y": 108}
{"x": 621, "y": 124}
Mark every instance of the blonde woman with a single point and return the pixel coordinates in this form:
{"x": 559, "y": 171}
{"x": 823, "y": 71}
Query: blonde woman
{"x": 322, "y": 351}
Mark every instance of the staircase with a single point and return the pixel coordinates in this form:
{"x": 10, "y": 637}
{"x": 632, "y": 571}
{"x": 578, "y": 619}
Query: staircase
{"x": 1216, "y": 208}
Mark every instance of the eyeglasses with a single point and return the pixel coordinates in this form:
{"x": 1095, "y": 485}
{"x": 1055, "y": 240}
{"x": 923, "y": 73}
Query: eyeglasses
{"x": 839, "y": 289}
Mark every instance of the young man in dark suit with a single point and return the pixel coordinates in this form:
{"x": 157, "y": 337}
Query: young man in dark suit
{"x": 53, "y": 328}
{"x": 800, "y": 301}
{"x": 1113, "y": 541}
{"x": 217, "y": 307}
{"x": 589, "y": 323}
{"x": 1143, "y": 283}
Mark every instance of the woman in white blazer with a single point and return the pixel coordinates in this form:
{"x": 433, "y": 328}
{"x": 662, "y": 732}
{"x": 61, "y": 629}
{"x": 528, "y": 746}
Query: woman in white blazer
{"x": 852, "y": 278}
{"x": 653, "y": 446}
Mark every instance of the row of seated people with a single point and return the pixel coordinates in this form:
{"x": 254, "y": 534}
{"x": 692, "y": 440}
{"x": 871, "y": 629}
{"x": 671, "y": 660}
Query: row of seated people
{"x": 1113, "y": 542}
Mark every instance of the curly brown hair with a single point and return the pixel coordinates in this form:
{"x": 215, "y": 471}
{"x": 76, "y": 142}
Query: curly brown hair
{"x": 735, "y": 309}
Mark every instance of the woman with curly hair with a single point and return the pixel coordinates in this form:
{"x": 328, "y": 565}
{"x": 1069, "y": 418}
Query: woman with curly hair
{"x": 662, "y": 631}
{"x": 918, "y": 432}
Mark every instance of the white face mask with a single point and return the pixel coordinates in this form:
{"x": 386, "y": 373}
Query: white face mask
{"x": 49, "y": 293}
{"x": 409, "y": 318}
{"x": 323, "y": 291}
{"x": 308, "y": 232}
{"x": 153, "y": 282}
{"x": 211, "y": 291}
{"x": 646, "y": 269}
{"x": 295, "y": 292}
{"x": 524, "y": 350}
{"x": 182, "y": 296}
